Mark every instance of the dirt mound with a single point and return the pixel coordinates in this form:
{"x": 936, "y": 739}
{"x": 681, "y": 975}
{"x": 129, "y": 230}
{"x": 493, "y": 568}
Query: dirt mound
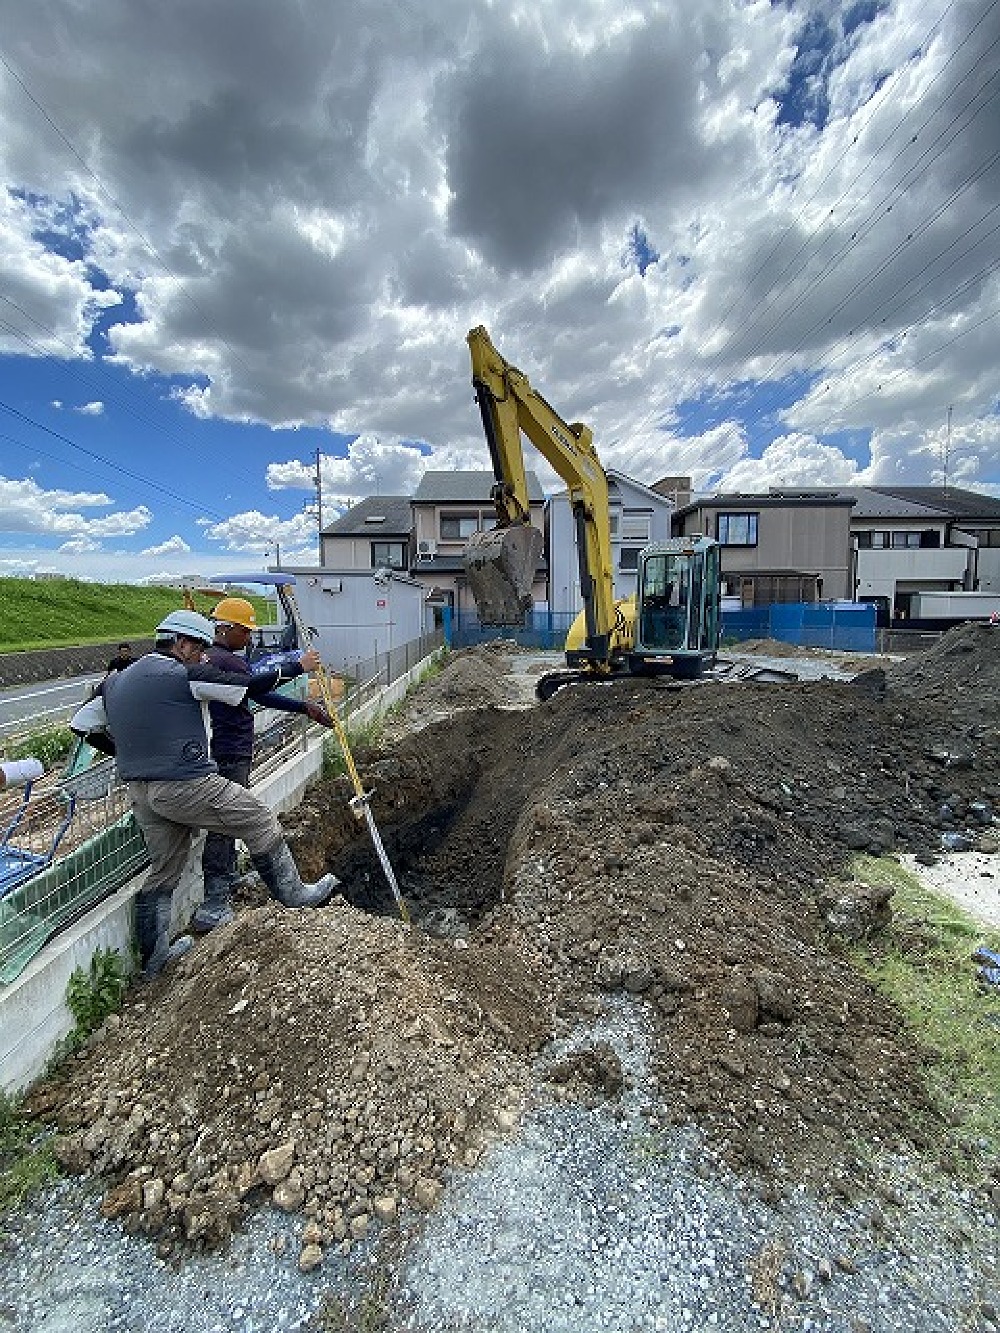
{"x": 683, "y": 845}
{"x": 769, "y": 648}
{"x": 333, "y": 1062}
{"x": 473, "y": 678}
{"x": 965, "y": 657}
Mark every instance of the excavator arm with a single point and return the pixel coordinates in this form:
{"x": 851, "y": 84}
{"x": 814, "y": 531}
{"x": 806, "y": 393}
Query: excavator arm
{"x": 501, "y": 564}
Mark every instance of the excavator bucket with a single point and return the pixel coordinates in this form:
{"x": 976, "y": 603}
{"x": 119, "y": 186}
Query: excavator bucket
{"x": 500, "y": 566}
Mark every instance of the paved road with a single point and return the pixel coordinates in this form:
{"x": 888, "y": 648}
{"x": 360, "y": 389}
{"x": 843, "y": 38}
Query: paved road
{"x": 44, "y": 704}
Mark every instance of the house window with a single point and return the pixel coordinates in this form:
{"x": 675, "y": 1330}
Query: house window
{"x": 873, "y": 541}
{"x": 635, "y": 527}
{"x": 905, "y": 541}
{"x": 388, "y": 555}
{"x": 737, "y": 529}
{"x": 628, "y": 557}
{"x": 457, "y": 527}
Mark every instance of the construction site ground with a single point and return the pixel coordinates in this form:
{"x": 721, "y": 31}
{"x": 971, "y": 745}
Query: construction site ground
{"x": 626, "y": 1069}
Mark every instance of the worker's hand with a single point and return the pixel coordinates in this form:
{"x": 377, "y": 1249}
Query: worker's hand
{"x": 317, "y": 713}
{"x": 310, "y": 660}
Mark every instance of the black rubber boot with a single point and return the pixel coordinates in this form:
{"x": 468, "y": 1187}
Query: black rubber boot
{"x": 279, "y": 872}
{"x": 215, "y": 909}
{"x": 152, "y": 932}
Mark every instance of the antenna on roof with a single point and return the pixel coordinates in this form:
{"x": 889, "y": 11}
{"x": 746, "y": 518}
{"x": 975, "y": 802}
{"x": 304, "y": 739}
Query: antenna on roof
{"x": 947, "y": 448}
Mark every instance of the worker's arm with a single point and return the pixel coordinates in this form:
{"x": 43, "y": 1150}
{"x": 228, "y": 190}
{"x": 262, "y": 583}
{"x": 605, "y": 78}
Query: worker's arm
{"x": 282, "y": 703}
{"x": 212, "y": 685}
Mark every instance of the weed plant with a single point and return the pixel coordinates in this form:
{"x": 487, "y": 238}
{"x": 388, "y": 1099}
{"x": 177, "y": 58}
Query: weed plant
{"x": 95, "y": 992}
{"x": 26, "y": 1160}
{"x": 924, "y": 963}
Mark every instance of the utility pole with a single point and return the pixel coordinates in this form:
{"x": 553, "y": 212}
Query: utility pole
{"x": 318, "y": 481}
{"x": 947, "y": 448}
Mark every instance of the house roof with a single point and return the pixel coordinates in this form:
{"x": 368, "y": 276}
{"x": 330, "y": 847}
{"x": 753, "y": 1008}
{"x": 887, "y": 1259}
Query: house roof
{"x": 928, "y": 503}
{"x": 616, "y": 478}
{"x": 374, "y": 516}
{"x": 740, "y": 501}
{"x": 953, "y": 501}
{"x": 467, "y": 488}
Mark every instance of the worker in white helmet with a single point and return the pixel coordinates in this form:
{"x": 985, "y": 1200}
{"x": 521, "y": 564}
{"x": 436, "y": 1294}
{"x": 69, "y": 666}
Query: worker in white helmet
{"x": 152, "y": 717}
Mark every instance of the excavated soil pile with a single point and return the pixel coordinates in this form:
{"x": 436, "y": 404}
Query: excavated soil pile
{"x": 476, "y": 678}
{"x": 682, "y": 845}
{"x": 961, "y": 673}
{"x": 334, "y": 1062}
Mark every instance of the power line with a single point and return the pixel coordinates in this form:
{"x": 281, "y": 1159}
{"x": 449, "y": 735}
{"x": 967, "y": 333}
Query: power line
{"x": 873, "y": 107}
{"x": 200, "y": 507}
{"x": 74, "y": 371}
{"x": 874, "y": 217}
{"x": 866, "y": 278}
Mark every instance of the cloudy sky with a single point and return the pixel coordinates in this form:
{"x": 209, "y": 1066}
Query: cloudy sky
{"x": 754, "y": 243}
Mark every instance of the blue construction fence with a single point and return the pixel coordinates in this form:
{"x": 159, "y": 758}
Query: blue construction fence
{"x": 847, "y": 627}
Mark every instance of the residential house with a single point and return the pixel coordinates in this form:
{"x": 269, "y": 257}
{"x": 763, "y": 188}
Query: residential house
{"x": 782, "y": 546}
{"x": 639, "y": 515}
{"x": 373, "y": 534}
{"x": 912, "y": 539}
{"x": 448, "y": 507}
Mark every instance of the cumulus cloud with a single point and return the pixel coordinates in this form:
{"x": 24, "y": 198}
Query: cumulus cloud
{"x": 27, "y": 507}
{"x": 173, "y": 545}
{"x": 79, "y": 546}
{"x": 729, "y": 236}
{"x": 370, "y": 467}
{"x": 253, "y": 531}
{"x": 94, "y": 409}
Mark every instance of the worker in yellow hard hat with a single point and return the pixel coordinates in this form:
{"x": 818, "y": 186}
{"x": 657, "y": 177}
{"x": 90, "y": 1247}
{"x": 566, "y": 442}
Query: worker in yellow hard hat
{"x": 232, "y": 742}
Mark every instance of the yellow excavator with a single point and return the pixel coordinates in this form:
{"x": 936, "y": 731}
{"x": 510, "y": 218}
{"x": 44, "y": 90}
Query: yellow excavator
{"x": 671, "y": 624}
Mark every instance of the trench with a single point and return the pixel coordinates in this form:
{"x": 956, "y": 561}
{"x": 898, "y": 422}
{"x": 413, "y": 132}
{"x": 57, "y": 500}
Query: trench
{"x": 448, "y": 804}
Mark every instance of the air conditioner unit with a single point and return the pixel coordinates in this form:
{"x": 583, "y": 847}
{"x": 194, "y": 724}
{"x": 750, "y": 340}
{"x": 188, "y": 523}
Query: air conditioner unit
{"x": 427, "y": 548}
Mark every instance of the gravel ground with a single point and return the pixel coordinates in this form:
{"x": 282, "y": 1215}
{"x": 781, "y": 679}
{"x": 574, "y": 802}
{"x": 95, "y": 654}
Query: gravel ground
{"x": 582, "y": 1220}
{"x": 603, "y": 1221}
{"x": 970, "y": 879}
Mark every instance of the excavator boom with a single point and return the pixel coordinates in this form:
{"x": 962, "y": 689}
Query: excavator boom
{"x": 501, "y": 564}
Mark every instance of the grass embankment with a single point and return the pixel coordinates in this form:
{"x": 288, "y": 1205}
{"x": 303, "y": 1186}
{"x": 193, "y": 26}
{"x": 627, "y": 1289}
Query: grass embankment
{"x": 924, "y": 963}
{"x": 62, "y": 613}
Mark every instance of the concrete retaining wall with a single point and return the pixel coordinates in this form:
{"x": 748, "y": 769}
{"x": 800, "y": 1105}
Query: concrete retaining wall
{"x": 58, "y": 663}
{"x": 33, "y": 1013}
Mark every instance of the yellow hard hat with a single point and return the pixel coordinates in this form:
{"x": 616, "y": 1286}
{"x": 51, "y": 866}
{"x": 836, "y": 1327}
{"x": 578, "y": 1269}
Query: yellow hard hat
{"x": 235, "y": 611}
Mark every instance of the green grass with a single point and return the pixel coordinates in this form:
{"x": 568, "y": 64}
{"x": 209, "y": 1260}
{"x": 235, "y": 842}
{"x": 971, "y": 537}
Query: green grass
{"x": 26, "y": 1160}
{"x": 57, "y": 613}
{"x": 365, "y": 736}
{"x": 924, "y": 964}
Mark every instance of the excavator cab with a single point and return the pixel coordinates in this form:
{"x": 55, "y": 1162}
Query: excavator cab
{"x": 500, "y": 566}
{"x": 677, "y": 607}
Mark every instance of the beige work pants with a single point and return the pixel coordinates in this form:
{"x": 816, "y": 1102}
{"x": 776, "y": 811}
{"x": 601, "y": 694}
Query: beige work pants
{"x": 170, "y": 813}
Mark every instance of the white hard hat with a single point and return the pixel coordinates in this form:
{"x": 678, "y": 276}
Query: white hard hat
{"x": 191, "y": 624}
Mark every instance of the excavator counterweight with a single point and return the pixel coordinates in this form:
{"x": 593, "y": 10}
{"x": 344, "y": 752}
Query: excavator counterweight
{"x": 500, "y": 566}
